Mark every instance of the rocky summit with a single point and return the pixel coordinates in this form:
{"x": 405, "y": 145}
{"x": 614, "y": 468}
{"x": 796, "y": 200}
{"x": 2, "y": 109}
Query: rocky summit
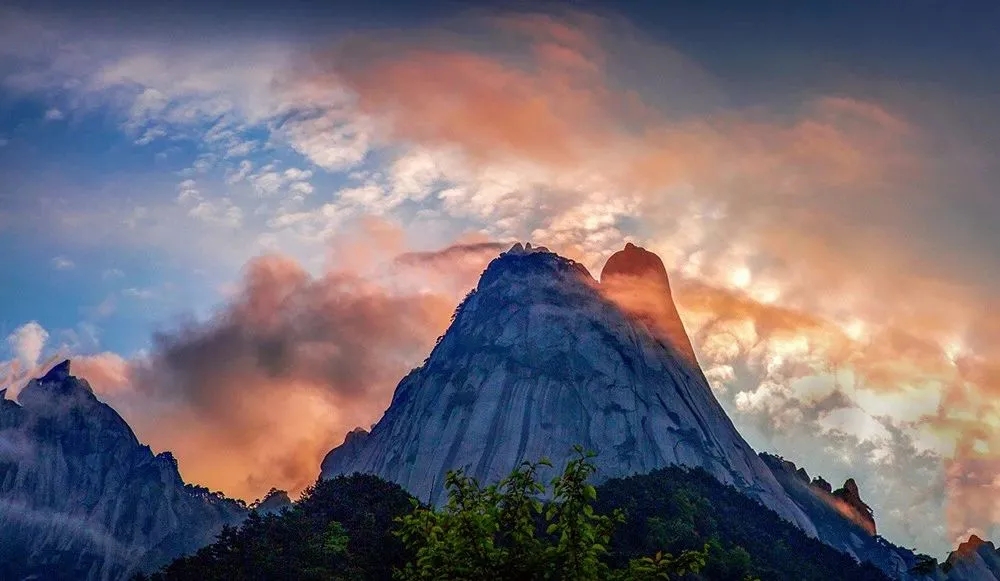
{"x": 81, "y": 498}
{"x": 541, "y": 357}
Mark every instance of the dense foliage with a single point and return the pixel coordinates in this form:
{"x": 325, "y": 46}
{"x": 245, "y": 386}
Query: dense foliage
{"x": 340, "y": 529}
{"x": 675, "y": 523}
{"x": 504, "y": 532}
{"x": 677, "y": 509}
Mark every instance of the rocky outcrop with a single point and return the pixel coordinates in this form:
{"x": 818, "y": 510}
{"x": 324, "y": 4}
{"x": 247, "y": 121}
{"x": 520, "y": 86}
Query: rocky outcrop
{"x": 636, "y": 280}
{"x": 274, "y": 502}
{"x": 539, "y": 359}
{"x": 841, "y": 519}
{"x": 974, "y": 560}
{"x": 82, "y": 498}
{"x": 856, "y": 509}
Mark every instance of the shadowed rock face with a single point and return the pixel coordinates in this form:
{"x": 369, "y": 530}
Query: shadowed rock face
{"x": 537, "y": 360}
{"x": 840, "y": 519}
{"x": 974, "y": 560}
{"x": 81, "y": 498}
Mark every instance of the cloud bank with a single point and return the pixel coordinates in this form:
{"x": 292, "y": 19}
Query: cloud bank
{"x": 826, "y": 250}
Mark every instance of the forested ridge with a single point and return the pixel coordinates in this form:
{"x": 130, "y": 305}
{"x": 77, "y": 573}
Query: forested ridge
{"x": 675, "y": 523}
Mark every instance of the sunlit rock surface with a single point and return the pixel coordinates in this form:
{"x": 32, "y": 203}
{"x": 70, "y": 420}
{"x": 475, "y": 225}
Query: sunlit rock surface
{"x": 81, "y": 498}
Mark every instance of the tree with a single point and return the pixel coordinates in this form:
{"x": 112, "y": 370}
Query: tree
{"x": 505, "y": 532}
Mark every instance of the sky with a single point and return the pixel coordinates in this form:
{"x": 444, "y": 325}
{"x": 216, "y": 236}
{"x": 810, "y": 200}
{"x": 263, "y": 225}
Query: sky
{"x": 246, "y": 222}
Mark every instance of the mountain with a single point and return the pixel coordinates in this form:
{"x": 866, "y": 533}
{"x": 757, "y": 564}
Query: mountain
{"x": 538, "y": 358}
{"x": 82, "y": 498}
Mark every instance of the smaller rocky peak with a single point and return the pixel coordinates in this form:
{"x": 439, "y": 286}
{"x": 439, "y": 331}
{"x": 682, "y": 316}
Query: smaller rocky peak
{"x": 803, "y": 475}
{"x": 638, "y": 262}
{"x": 974, "y": 544}
{"x": 356, "y": 435}
{"x": 57, "y": 386}
{"x": 274, "y": 502}
{"x": 58, "y": 373}
{"x": 820, "y": 483}
{"x": 527, "y": 260}
{"x": 850, "y": 495}
{"x": 970, "y": 548}
{"x": 526, "y": 248}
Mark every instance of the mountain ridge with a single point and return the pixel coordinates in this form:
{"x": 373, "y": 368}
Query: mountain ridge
{"x": 534, "y": 335}
{"x": 522, "y": 312}
{"x": 82, "y": 498}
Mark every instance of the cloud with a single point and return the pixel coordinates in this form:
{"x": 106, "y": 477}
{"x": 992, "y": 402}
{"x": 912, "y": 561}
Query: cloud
{"x": 63, "y": 263}
{"x": 27, "y": 343}
{"x": 107, "y": 372}
{"x": 54, "y": 115}
{"x": 254, "y": 396}
{"x": 456, "y": 267}
{"x": 834, "y": 269}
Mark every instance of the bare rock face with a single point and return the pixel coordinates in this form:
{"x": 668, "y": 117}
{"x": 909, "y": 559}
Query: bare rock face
{"x": 537, "y": 360}
{"x": 82, "y": 498}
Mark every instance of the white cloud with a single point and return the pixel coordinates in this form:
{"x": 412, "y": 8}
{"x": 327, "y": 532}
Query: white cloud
{"x": 221, "y": 212}
{"x": 240, "y": 174}
{"x": 150, "y": 134}
{"x": 62, "y": 263}
{"x": 291, "y": 185}
{"x": 855, "y": 422}
{"x": 27, "y": 343}
{"x": 334, "y": 141}
{"x": 54, "y": 114}
{"x": 139, "y": 293}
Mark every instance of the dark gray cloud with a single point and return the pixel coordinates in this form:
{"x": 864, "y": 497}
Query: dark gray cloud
{"x": 255, "y": 395}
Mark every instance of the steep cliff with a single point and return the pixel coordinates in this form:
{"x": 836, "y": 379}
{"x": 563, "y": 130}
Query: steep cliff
{"x": 538, "y": 359}
{"x": 82, "y": 498}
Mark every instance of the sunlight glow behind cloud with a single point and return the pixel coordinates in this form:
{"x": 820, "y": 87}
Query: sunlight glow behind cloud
{"x": 787, "y": 226}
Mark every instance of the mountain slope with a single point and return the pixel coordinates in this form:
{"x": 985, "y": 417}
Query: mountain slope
{"x": 538, "y": 359}
{"x": 81, "y": 498}
{"x": 845, "y": 525}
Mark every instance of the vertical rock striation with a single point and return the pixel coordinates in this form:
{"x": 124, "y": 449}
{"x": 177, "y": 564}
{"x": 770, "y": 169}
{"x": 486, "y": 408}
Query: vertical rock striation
{"x": 537, "y": 360}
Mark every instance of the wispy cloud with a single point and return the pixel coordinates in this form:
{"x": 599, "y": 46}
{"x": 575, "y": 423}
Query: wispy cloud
{"x": 27, "y": 343}
{"x": 63, "y": 263}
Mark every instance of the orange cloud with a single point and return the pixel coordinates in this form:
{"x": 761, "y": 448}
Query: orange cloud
{"x": 255, "y": 396}
{"x": 823, "y": 204}
{"x": 107, "y": 373}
